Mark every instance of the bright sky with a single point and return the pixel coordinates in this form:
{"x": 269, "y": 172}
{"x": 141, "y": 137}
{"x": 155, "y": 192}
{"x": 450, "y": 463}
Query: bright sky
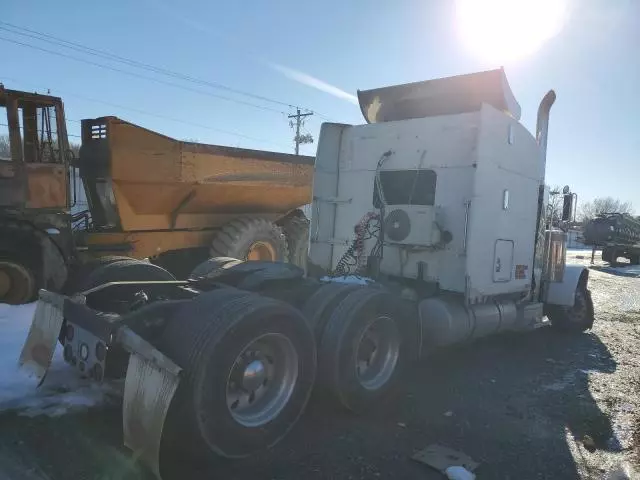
{"x": 317, "y": 54}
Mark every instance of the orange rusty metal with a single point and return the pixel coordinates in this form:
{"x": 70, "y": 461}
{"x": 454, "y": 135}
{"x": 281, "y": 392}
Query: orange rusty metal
{"x": 47, "y": 185}
{"x": 160, "y": 183}
{"x": 145, "y": 244}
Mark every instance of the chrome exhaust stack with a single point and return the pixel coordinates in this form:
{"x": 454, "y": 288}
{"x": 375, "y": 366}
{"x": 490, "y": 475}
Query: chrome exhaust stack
{"x": 542, "y": 125}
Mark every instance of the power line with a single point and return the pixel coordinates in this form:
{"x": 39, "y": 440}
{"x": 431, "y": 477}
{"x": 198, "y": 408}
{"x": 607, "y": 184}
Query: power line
{"x": 107, "y": 55}
{"x": 137, "y": 75}
{"x": 137, "y": 64}
{"x": 160, "y": 116}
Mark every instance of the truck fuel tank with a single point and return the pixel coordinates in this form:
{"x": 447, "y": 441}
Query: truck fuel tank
{"x": 447, "y": 321}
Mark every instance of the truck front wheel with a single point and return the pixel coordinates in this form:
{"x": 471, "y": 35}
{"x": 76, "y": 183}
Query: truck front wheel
{"x": 577, "y": 318}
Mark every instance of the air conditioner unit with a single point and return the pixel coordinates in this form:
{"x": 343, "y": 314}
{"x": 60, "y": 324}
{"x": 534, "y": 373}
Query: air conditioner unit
{"x": 411, "y": 225}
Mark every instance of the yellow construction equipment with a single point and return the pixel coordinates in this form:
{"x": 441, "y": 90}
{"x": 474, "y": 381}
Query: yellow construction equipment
{"x": 148, "y": 196}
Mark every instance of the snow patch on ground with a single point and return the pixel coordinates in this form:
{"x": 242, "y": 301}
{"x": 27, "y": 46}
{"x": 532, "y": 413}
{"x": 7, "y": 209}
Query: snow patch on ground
{"x": 62, "y": 390}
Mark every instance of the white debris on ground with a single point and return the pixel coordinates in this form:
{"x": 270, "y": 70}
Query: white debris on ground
{"x": 459, "y": 473}
{"x": 62, "y": 390}
{"x": 348, "y": 279}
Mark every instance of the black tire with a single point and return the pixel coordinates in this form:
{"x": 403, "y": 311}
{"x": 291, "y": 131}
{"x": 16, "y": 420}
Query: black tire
{"x": 117, "y": 299}
{"x": 245, "y": 275}
{"x": 296, "y": 229}
{"x": 78, "y": 276}
{"x": 319, "y": 307}
{"x": 211, "y": 268}
{"x": 635, "y": 259}
{"x": 20, "y": 278}
{"x": 339, "y": 361}
{"x": 606, "y": 255}
{"x": 206, "y": 338}
{"x": 251, "y": 239}
{"x": 271, "y": 272}
{"x": 576, "y": 319}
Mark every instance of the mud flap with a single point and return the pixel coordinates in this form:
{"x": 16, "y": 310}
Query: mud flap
{"x": 151, "y": 381}
{"x": 40, "y": 344}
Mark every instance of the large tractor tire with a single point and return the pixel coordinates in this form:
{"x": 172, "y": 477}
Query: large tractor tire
{"x": 296, "y": 230}
{"x": 251, "y": 239}
{"x": 20, "y": 278}
{"x": 364, "y": 349}
{"x": 249, "y": 366}
{"x": 577, "y": 318}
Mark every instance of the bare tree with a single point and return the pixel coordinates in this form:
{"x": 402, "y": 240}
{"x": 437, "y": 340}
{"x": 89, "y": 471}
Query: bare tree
{"x": 5, "y": 149}
{"x": 554, "y": 207}
{"x": 590, "y": 210}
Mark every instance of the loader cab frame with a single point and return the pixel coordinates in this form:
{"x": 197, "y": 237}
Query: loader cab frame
{"x": 34, "y": 174}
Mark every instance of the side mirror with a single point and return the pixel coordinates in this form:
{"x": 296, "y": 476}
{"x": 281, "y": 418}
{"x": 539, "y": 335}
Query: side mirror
{"x": 567, "y": 207}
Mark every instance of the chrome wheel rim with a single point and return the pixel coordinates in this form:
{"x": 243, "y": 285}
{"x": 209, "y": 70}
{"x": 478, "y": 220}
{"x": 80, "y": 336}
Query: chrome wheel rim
{"x": 262, "y": 379}
{"x": 261, "y": 251}
{"x": 16, "y": 283}
{"x": 377, "y": 353}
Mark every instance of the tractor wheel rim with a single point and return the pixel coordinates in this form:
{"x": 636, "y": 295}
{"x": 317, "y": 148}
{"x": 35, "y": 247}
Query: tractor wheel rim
{"x": 377, "y": 353}
{"x": 16, "y": 283}
{"x": 261, "y": 251}
{"x": 262, "y": 380}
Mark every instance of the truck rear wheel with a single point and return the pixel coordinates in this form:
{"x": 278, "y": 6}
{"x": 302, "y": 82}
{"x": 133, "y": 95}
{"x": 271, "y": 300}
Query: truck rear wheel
{"x": 78, "y": 276}
{"x": 117, "y": 299}
{"x": 212, "y": 267}
{"x": 362, "y": 351}
{"x": 249, "y": 366}
{"x": 18, "y": 279}
{"x": 577, "y": 318}
{"x": 251, "y": 239}
{"x": 319, "y": 307}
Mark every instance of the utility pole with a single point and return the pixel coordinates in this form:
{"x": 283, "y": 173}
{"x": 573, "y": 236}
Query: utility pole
{"x": 300, "y": 139}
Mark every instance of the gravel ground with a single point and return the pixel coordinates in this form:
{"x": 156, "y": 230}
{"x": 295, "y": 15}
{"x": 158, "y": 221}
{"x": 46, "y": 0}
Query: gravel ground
{"x": 541, "y": 405}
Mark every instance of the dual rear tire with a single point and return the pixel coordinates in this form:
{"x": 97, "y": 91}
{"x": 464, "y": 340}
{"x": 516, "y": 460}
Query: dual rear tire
{"x": 363, "y": 349}
{"x": 249, "y": 367}
{"x": 250, "y": 364}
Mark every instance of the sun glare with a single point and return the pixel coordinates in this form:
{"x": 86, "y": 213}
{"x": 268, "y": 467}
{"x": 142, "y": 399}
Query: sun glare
{"x": 504, "y": 30}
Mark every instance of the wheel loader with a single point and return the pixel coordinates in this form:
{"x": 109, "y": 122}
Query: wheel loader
{"x": 148, "y": 196}
{"x": 429, "y": 229}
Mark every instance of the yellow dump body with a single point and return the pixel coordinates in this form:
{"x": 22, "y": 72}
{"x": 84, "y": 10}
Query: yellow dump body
{"x": 140, "y": 181}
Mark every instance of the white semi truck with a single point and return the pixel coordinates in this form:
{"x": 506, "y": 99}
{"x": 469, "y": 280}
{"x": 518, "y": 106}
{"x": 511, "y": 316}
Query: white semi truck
{"x": 428, "y": 229}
